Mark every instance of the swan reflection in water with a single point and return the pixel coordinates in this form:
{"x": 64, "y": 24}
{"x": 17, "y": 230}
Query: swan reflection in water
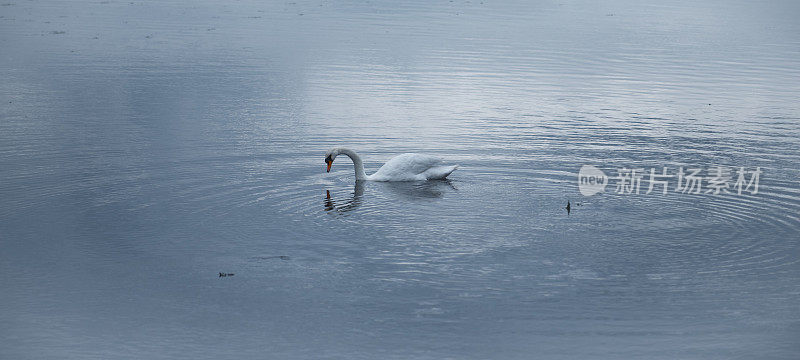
{"x": 348, "y": 205}
{"x": 420, "y": 190}
{"x": 408, "y": 190}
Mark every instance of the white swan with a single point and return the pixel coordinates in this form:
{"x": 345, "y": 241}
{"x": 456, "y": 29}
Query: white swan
{"x": 404, "y": 167}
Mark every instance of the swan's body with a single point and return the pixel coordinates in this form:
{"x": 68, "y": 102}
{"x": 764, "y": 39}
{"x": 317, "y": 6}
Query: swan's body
{"x": 404, "y": 167}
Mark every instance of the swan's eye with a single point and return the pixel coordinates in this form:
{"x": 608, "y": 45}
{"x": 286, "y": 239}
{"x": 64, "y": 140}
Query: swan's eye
{"x": 328, "y": 159}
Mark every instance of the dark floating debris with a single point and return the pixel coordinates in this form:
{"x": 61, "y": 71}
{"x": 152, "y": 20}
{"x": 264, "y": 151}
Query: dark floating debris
{"x": 222, "y": 274}
{"x": 282, "y": 257}
{"x": 568, "y": 207}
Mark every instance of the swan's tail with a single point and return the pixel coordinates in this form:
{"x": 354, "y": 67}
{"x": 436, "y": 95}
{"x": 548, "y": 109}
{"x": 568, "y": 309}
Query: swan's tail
{"x": 439, "y": 172}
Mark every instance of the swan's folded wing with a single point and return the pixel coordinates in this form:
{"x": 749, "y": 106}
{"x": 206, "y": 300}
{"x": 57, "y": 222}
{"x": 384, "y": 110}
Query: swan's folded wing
{"x": 408, "y": 164}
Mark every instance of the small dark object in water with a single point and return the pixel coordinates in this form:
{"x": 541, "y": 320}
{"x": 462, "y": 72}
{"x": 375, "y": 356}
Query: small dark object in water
{"x": 282, "y": 257}
{"x": 568, "y": 207}
{"x": 222, "y": 274}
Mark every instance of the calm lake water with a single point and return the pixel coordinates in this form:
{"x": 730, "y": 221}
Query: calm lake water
{"x": 145, "y": 147}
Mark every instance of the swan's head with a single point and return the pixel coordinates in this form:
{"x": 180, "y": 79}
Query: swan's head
{"x": 329, "y": 156}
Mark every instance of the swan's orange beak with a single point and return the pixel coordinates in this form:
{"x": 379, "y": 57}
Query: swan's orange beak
{"x": 330, "y": 162}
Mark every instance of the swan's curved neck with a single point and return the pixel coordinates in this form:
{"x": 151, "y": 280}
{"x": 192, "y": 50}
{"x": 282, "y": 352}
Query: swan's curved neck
{"x": 358, "y": 164}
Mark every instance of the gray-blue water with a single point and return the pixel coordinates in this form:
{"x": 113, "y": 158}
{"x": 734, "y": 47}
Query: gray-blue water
{"x": 145, "y": 147}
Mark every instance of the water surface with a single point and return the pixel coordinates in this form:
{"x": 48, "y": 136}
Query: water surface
{"x": 145, "y": 147}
